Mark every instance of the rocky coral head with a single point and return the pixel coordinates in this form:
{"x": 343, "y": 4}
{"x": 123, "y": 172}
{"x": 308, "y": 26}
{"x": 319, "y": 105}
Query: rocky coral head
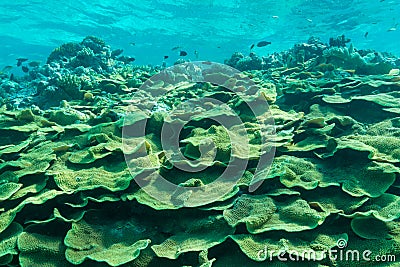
{"x": 314, "y": 40}
{"x": 242, "y": 63}
{"x": 236, "y": 56}
{"x": 339, "y": 41}
{"x": 64, "y": 52}
{"x": 91, "y": 52}
{"x": 94, "y": 43}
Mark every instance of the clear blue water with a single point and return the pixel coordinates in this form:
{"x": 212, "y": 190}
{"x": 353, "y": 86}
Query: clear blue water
{"x": 215, "y": 28}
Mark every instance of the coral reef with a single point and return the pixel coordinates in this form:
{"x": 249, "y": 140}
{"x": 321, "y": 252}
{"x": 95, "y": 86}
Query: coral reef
{"x": 241, "y": 62}
{"x": 314, "y": 55}
{"x": 339, "y": 41}
{"x": 67, "y": 197}
{"x": 72, "y": 70}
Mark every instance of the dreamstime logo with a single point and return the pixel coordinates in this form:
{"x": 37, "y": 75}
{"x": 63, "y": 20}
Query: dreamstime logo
{"x": 229, "y": 110}
{"x": 340, "y": 254}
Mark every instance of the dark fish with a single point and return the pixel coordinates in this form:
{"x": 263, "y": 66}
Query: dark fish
{"x": 263, "y": 43}
{"x": 366, "y": 34}
{"x": 132, "y": 43}
{"x": 116, "y": 52}
{"x": 165, "y": 57}
{"x": 131, "y": 59}
{"x": 252, "y": 46}
{"x": 218, "y": 47}
{"x": 34, "y": 64}
{"x": 20, "y": 60}
{"x": 12, "y": 77}
{"x": 25, "y": 69}
{"x": 207, "y": 62}
{"x": 176, "y": 48}
{"x": 183, "y": 54}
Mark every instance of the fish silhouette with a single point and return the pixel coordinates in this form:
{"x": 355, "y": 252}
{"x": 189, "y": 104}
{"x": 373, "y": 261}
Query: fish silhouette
{"x": 20, "y": 60}
{"x": 263, "y": 43}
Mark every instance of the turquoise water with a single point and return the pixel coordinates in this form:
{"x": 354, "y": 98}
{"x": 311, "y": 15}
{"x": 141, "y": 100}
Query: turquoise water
{"x": 215, "y": 28}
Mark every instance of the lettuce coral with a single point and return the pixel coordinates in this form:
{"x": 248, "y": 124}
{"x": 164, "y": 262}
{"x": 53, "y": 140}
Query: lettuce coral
{"x": 78, "y": 182}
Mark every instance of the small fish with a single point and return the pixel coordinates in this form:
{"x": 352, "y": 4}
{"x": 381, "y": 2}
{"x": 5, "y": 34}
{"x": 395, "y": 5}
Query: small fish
{"x": 176, "y": 48}
{"x": 166, "y": 57}
{"x": 20, "y": 60}
{"x": 6, "y": 69}
{"x": 342, "y": 22}
{"x": 131, "y": 59}
{"x": 309, "y": 20}
{"x": 394, "y": 28}
{"x": 12, "y": 77}
{"x": 263, "y": 43}
{"x": 183, "y": 53}
{"x": 252, "y": 46}
{"x": 218, "y": 47}
{"x": 366, "y": 35}
{"x": 132, "y": 44}
{"x": 25, "y": 69}
{"x": 207, "y": 62}
{"x": 275, "y": 17}
{"x": 116, "y": 52}
{"x": 34, "y": 64}
{"x": 196, "y": 53}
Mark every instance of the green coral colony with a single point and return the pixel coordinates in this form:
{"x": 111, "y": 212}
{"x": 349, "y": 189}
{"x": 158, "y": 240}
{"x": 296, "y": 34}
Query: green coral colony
{"x": 67, "y": 197}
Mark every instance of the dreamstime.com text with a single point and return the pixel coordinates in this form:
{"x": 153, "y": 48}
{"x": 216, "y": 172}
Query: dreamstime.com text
{"x": 339, "y": 254}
